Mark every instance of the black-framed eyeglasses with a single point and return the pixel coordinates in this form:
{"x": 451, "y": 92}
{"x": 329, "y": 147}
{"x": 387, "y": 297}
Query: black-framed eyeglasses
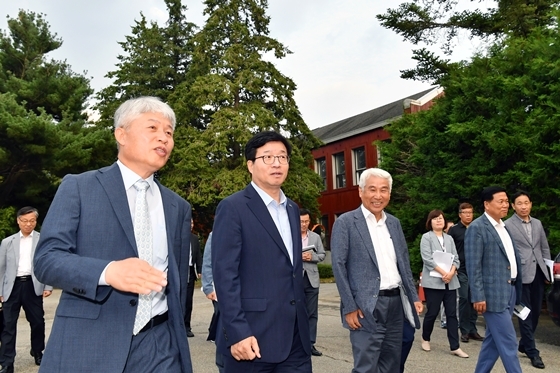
{"x": 269, "y": 159}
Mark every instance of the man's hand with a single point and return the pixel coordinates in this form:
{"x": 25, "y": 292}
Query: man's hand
{"x": 419, "y": 307}
{"x": 480, "y": 307}
{"x": 306, "y": 256}
{"x": 352, "y": 319}
{"x": 47, "y": 293}
{"x": 135, "y": 275}
{"x": 246, "y": 349}
{"x": 212, "y": 296}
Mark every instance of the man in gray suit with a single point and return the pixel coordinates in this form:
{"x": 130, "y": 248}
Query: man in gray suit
{"x": 494, "y": 272}
{"x": 116, "y": 242}
{"x": 312, "y": 253}
{"x": 372, "y": 271}
{"x": 20, "y": 288}
{"x": 528, "y": 235}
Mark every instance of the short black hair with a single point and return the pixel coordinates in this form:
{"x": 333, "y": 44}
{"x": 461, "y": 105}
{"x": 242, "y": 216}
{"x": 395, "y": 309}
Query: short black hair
{"x": 487, "y": 194}
{"x": 520, "y": 193}
{"x": 261, "y": 139}
{"x": 26, "y": 210}
{"x": 434, "y": 214}
{"x": 304, "y": 212}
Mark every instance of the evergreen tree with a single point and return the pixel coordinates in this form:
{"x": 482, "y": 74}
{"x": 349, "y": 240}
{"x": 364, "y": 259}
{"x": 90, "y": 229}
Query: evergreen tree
{"x": 43, "y": 133}
{"x": 154, "y": 63}
{"x": 496, "y": 125}
{"x": 238, "y": 92}
{"x": 431, "y": 22}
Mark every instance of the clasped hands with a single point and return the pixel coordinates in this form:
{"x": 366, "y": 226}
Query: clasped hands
{"x": 135, "y": 275}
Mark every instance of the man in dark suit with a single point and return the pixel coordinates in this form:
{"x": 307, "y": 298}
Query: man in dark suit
{"x": 20, "y": 288}
{"x": 530, "y": 239}
{"x": 257, "y": 268}
{"x": 494, "y": 272}
{"x": 195, "y": 270}
{"x": 314, "y": 254}
{"x": 368, "y": 243}
{"x": 117, "y": 243}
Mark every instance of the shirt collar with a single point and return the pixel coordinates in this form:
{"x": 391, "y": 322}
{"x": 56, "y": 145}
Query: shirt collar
{"x": 521, "y": 220}
{"x": 22, "y": 236}
{"x": 367, "y": 213}
{"x": 130, "y": 177}
{"x": 267, "y": 198}
{"x": 494, "y": 222}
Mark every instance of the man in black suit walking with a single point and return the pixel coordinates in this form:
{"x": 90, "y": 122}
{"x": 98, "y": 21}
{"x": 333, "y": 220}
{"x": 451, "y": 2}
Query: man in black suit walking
{"x": 195, "y": 269}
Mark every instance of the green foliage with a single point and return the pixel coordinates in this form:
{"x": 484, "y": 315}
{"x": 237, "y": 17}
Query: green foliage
{"x": 7, "y": 222}
{"x": 325, "y": 270}
{"x": 498, "y": 123}
{"x": 155, "y": 61}
{"x": 236, "y": 92}
{"x": 432, "y": 22}
{"x": 43, "y": 134}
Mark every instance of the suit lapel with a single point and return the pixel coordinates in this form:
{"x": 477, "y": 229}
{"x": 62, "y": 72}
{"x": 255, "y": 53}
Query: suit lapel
{"x": 494, "y": 234}
{"x": 111, "y": 180}
{"x": 519, "y": 226}
{"x": 363, "y": 231}
{"x": 170, "y": 211}
{"x": 259, "y": 209}
{"x": 16, "y": 243}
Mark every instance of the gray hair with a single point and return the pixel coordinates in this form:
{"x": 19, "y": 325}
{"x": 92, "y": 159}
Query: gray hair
{"x": 375, "y": 172}
{"x": 133, "y": 108}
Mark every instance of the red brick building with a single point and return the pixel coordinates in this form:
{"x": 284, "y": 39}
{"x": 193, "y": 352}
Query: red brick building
{"x": 348, "y": 150}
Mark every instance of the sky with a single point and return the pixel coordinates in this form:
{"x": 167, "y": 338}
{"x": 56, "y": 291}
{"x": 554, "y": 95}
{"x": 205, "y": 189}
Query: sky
{"x": 343, "y": 62}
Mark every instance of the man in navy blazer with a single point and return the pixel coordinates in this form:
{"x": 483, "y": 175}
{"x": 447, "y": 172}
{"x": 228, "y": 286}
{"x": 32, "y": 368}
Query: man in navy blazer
{"x": 494, "y": 272}
{"x": 89, "y": 249}
{"x": 257, "y": 268}
{"x": 372, "y": 271}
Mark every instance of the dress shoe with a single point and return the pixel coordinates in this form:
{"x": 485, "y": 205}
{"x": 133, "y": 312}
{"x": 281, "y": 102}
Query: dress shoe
{"x": 537, "y": 362}
{"x": 444, "y": 325}
{"x": 476, "y": 337}
{"x": 38, "y": 356}
{"x": 425, "y": 346}
{"x": 460, "y": 353}
{"x": 189, "y": 334}
{"x": 7, "y": 369}
{"x": 315, "y": 352}
{"x": 464, "y": 338}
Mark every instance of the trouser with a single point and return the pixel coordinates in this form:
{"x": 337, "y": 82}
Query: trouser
{"x": 532, "y": 297}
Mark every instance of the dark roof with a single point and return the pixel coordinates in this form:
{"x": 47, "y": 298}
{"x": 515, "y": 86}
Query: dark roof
{"x": 364, "y": 122}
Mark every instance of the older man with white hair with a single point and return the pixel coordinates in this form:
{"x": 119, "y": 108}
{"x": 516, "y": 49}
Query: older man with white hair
{"x": 372, "y": 271}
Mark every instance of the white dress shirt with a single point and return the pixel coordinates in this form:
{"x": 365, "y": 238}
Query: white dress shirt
{"x": 279, "y": 214}
{"x": 384, "y": 250}
{"x": 507, "y": 242}
{"x": 25, "y": 255}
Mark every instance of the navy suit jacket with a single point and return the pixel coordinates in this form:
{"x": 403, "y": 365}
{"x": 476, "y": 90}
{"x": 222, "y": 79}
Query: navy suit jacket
{"x": 87, "y": 226}
{"x": 488, "y": 266}
{"x": 356, "y": 270}
{"x": 260, "y": 293}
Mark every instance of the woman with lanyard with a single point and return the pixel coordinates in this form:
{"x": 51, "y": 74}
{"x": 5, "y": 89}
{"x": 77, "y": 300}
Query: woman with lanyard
{"x": 439, "y": 280}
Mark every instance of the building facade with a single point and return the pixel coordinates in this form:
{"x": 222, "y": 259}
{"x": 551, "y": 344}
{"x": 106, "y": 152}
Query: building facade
{"x": 348, "y": 149}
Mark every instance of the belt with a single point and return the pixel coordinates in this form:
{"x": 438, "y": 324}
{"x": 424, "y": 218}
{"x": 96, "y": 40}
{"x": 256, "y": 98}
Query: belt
{"x": 155, "y": 321}
{"x": 389, "y": 292}
{"x": 23, "y": 278}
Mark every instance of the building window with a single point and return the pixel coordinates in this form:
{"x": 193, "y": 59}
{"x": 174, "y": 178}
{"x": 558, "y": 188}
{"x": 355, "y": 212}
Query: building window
{"x": 339, "y": 171}
{"x": 321, "y": 169}
{"x": 359, "y": 160}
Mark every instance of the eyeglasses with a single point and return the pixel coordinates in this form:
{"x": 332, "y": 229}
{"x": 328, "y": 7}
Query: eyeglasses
{"x": 269, "y": 159}
{"x": 25, "y": 221}
{"x": 465, "y": 213}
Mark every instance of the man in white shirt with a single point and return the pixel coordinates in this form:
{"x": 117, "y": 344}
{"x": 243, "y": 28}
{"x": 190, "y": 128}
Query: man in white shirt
{"x": 494, "y": 272}
{"x": 20, "y": 288}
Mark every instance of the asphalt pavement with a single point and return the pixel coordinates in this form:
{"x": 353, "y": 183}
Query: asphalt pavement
{"x": 332, "y": 340}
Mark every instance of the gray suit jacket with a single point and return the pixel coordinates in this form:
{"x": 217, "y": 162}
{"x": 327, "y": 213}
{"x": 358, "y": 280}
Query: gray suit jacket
{"x": 428, "y": 245}
{"x": 532, "y": 253}
{"x": 9, "y": 261}
{"x": 356, "y": 270}
{"x": 316, "y": 256}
